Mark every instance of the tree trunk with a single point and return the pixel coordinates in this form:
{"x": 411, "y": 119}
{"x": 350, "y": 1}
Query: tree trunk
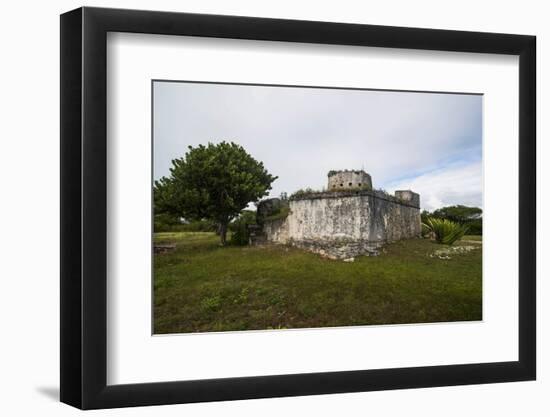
{"x": 223, "y": 233}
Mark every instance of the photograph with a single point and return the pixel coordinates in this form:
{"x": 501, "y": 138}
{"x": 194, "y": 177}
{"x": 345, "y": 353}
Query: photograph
{"x": 283, "y": 204}
{"x": 293, "y": 207}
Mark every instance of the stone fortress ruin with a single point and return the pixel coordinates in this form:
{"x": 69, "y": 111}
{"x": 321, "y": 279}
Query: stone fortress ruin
{"x": 349, "y": 219}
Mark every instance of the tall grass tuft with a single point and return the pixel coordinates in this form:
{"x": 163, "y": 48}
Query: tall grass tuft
{"x": 445, "y": 231}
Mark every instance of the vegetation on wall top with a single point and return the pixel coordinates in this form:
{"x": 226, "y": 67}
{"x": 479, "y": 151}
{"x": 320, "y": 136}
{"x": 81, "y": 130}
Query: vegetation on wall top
{"x": 310, "y": 192}
{"x": 333, "y": 172}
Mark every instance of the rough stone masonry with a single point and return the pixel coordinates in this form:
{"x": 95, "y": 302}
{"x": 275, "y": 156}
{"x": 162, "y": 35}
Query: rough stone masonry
{"x": 347, "y": 220}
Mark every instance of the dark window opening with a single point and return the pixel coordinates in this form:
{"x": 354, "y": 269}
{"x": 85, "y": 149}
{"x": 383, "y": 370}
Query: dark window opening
{"x": 359, "y": 185}
{"x": 341, "y": 185}
{"x": 350, "y": 184}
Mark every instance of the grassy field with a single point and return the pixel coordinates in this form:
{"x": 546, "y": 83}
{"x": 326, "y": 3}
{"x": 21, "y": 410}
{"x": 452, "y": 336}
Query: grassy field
{"x": 204, "y": 287}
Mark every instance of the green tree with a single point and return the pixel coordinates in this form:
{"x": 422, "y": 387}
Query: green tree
{"x": 459, "y": 213}
{"x": 213, "y": 182}
{"x": 470, "y": 216}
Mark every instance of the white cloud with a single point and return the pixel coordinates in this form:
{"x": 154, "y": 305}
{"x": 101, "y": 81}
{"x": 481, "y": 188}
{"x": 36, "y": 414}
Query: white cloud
{"x": 446, "y": 186}
{"x": 302, "y": 133}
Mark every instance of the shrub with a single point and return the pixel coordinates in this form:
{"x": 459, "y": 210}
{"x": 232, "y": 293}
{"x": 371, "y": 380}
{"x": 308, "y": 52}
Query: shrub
{"x": 239, "y": 228}
{"x": 165, "y": 222}
{"x": 426, "y": 232}
{"x": 279, "y": 215}
{"x": 445, "y": 231}
{"x": 303, "y": 192}
{"x": 475, "y": 227}
{"x": 199, "y": 226}
{"x": 271, "y": 209}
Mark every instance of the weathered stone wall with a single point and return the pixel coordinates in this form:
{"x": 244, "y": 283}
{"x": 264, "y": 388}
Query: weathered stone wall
{"x": 408, "y": 197}
{"x": 276, "y": 231}
{"x": 347, "y": 224}
{"x": 338, "y": 248}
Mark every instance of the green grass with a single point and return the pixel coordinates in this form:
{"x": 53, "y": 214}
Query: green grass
{"x": 204, "y": 287}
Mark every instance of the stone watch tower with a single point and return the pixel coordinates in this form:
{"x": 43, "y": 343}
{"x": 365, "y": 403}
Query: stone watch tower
{"x": 346, "y": 180}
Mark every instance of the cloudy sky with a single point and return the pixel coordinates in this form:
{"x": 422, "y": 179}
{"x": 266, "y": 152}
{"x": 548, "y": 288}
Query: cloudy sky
{"x": 429, "y": 143}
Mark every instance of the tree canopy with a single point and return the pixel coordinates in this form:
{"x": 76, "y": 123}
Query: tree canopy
{"x": 470, "y": 216}
{"x": 212, "y": 182}
{"x": 460, "y": 214}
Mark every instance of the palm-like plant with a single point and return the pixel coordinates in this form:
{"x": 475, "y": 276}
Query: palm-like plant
{"x": 445, "y": 231}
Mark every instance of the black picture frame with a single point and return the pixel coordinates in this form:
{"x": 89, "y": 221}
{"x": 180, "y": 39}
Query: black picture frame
{"x": 84, "y": 207}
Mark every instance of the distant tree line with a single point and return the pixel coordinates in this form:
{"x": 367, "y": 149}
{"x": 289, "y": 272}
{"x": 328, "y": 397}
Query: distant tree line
{"x": 464, "y": 215}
